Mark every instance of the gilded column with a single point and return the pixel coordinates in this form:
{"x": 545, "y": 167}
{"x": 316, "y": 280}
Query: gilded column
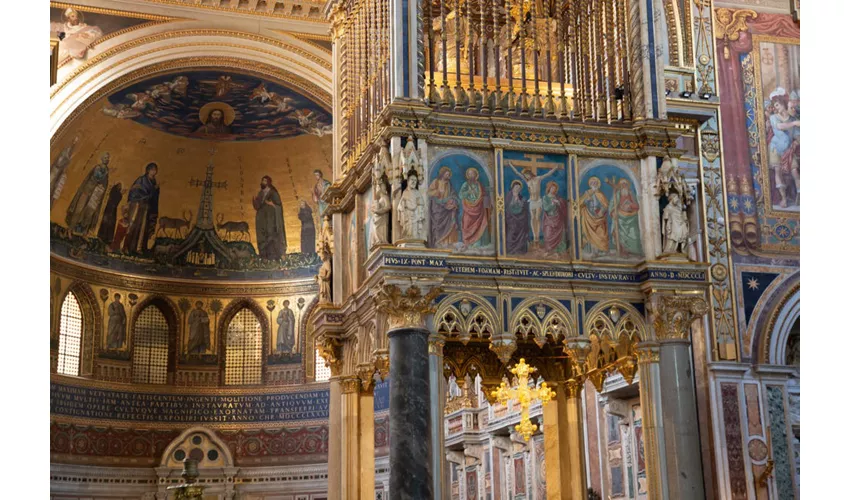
{"x": 350, "y": 436}
{"x": 438, "y": 398}
{"x": 366, "y": 428}
{"x": 674, "y": 315}
{"x": 576, "y": 484}
{"x": 652, "y": 421}
{"x": 555, "y": 445}
{"x": 410, "y": 402}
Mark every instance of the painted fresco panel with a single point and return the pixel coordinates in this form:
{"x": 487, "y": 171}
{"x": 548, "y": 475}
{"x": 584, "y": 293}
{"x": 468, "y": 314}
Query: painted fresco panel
{"x": 537, "y": 223}
{"x": 609, "y": 217}
{"x": 640, "y": 465}
{"x": 460, "y": 204}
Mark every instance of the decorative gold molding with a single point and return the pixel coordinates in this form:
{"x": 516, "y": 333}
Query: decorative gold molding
{"x": 350, "y": 385}
{"x": 112, "y": 12}
{"x": 330, "y": 350}
{"x": 765, "y": 341}
{"x": 253, "y": 11}
{"x": 405, "y": 309}
{"x": 325, "y": 64}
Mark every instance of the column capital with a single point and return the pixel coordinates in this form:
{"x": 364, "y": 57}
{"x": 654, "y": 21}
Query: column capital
{"x": 674, "y": 314}
{"x": 406, "y": 308}
{"x": 572, "y": 388}
{"x": 647, "y": 353}
{"x": 436, "y": 344}
{"x": 350, "y": 384}
{"x": 330, "y": 349}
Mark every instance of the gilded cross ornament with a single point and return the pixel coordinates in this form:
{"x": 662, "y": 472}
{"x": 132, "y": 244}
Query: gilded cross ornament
{"x": 525, "y": 395}
{"x": 405, "y": 309}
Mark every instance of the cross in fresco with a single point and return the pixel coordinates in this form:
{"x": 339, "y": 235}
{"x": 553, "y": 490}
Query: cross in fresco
{"x": 533, "y": 162}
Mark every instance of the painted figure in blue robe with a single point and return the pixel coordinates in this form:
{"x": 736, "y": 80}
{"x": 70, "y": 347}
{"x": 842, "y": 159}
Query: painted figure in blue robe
{"x": 625, "y": 225}
{"x": 516, "y": 221}
{"x": 143, "y": 200}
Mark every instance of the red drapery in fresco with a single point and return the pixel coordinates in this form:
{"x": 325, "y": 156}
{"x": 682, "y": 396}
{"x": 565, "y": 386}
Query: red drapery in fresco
{"x": 743, "y": 228}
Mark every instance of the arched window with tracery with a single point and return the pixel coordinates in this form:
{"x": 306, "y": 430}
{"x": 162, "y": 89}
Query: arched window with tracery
{"x": 323, "y": 371}
{"x": 244, "y": 349}
{"x": 70, "y": 336}
{"x": 150, "y": 347}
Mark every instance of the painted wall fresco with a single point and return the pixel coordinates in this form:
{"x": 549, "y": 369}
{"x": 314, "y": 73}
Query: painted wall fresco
{"x": 166, "y": 188}
{"x": 759, "y": 74}
{"x": 84, "y": 29}
{"x": 609, "y": 218}
{"x": 537, "y": 223}
{"x": 460, "y": 204}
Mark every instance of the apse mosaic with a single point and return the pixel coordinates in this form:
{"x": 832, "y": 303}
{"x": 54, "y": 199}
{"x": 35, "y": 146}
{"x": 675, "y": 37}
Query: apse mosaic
{"x": 198, "y": 174}
{"x": 219, "y": 106}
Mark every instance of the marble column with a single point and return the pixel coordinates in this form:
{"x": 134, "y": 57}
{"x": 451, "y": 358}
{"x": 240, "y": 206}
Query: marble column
{"x": 652, "y": 423}
{"x": 681, "y": 430}
{"x": 441, "y": 488}
{"x": 410, "y": 415}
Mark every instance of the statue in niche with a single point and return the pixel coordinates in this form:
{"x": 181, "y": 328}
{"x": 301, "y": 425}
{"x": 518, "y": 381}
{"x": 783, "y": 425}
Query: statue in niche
{"x": 381, "y": 207}
{"x": 325, "y": 251}
{"x": 116, "y": 330}
{"x": 285, "y": 329}
{"x": 411, "y": 210}
{"x": 199, "y": 330}
{"x": 676, "y": 229}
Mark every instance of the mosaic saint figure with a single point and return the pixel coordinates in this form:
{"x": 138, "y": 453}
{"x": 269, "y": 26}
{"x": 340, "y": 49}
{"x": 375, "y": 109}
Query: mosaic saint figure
{"x": 475, "y": 222}
{"x": 271, "y": 233}
{"x": 594, "y": 218}
{"x": 554, "y": 221}
{"x": 216, "y": 118}
{"x": 199, "y": 330}
{"x": 318, "y": 190}
{"x": 58, "y": 171}
{"x": 110, "y": 214}
{"x": 285, "y": 329}
{"x": 784, "y": 147}
{"x": 84, "y": 209}
{"x": 624, "y": 219}
{"x": 411, "y": 210}
{"x": 78, "y": 35}
{"x": 116, "y": 329}
{"x": 443, "y": 208}
{"x": 121, "y": 229}
{"x": 308, "y": 228}
{"x": 143, "y": 201}
{"x": 516, "y": 220}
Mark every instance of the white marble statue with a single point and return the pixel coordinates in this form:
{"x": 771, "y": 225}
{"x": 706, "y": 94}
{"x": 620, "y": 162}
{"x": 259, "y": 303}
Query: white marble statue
{"x": 381, "y": 207}
{"x": 411, "y": 211}
{"x": 675, "y": 225}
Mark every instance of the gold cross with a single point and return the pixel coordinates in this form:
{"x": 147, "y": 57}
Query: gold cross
{"x": 524, "y": 395}
{"x": 533, "y": 162}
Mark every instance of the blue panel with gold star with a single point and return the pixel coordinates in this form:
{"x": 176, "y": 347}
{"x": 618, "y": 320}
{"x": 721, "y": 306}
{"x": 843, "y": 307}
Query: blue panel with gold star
{"x": 753, "y": 286}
